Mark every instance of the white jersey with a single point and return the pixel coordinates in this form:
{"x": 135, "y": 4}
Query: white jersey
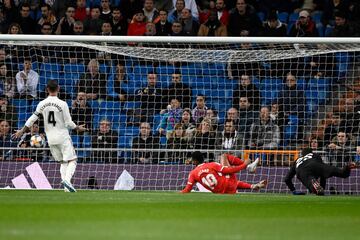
{"x": 57, "y": 119}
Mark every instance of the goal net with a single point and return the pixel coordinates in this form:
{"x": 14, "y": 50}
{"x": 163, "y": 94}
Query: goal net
{"x": 149, "y": 103}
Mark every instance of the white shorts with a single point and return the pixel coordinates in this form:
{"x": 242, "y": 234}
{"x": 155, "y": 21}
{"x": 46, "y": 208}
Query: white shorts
{"x": 63, "y": 152}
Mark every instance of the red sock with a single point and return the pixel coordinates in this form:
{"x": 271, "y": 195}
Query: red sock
{"x": 243, "y": 185}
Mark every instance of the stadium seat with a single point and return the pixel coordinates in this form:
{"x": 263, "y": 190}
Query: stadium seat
{"x": 283, "y": 17}
{"x": 293, "y": 17}
{"x": 125, "y": 142}
{"x": 143, "y": 69}
{"x": 320, "y": 29}
{"x": 328, "y": 30}
{"x": 301, "y": 83}
{"x": 52, "y": 67}
{"x": 317, "y": 16}
{"x": 22, "y": 105}
{"x": 168, "y": 69}
{"x": 74, "y": 68}
{"x": 291, "y": 129}
{"x": 129, "y": 131}
{"x": 261, "y": 16}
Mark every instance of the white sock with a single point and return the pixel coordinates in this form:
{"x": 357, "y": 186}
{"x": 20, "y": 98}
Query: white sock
{"x": 70, "y": 170}
{"x": 63, "y": 168}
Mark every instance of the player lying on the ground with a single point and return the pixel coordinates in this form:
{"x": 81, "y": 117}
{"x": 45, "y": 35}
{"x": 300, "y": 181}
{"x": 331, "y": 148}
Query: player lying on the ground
{"x": 221, "y": 177}
{"x": 309, "y": 168}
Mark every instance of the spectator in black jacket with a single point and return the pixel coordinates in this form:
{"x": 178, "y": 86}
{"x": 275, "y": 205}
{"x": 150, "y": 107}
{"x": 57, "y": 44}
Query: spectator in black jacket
{"x": 273, "y": 27}
{"x": 243, "y": 21}
{"x": 118, "y": 23}
{"x": 145, "y": 140}
{"x": 163, "y": 27}
{"x": 343, "y": 28}
{"x": 178, "y": 90}
{"x": 246, "y": 89}
{"x": 81, "y": 112}
{"x": 104, "y": 137}
{"x": 28, "y": 25}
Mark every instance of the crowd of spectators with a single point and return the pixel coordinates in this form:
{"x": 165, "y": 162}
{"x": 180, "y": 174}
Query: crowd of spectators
{"x": 182, "y": 17}
{"x": 187, "y": 120}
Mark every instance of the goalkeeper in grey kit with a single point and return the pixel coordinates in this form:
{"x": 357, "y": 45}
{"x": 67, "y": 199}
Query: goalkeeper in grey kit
{"x": 309, "y": 168}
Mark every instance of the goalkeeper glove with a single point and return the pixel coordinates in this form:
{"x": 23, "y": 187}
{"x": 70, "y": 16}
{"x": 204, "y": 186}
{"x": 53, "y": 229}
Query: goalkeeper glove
{"x": 298, "y": 193}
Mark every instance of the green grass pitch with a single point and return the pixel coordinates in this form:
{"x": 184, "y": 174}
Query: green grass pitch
{"x": 99, "y": 215}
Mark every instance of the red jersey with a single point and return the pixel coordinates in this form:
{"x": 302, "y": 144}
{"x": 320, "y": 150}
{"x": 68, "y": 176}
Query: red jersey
{"x": 214, "y": 177}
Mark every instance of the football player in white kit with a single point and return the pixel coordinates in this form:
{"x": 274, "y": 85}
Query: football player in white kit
{"x": 57, "y": 122}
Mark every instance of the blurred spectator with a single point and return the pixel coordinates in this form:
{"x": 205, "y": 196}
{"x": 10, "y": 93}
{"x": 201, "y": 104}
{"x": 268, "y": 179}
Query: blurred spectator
{"x": 118, "y": 23}
{"x": 47, "y": 16}
{"x": 8, "y": 112}
{"x": 278, "y": 117}
{"x": 145, "y": 140}
{"x": 340, "y": 149}
{"x": 105, "y": 10}
{"x": 332, "y": 127}
{"x": 27, "y": 24}
{"x": 204, "y": 11}
{"x": 5, "y": 141}
{"x": 323, "y": 65}
{"x": 204, "y": 138}
{"x": 15, "y": 28}
{"x": 150, "y": 12}
{"x": 177, "y": 29}
{"x": 273, "y": 27}
{"x": 191, "y": 5}
{"x": 304, "y": 27}
{"x": 130, "y": 7}
{"x": 66, "y": 24}
{"x": 246, "y": 89}
{"x": 46, "y": 29}
{"x": 213, "y": 27}
{"x": 27, "y": 81}
{"x": 350, "y": 118}
{"x": 120, "y": 78}
{"x": 213, "y": 116}
{"x": 187, "y": 124}
{"x": 190, "y": 26}
{"x": 243, "y": 21}
{"x": 291, "y": 99}
{"x": 177, "y": 140}
{"x": 137, "y": 27}
{"x": 247, "y": 115}
{"x": 78, "y": 28}
{"x": 264, "y": 134}
{"x": 333, "y": 6}
{"x": 199, "y": 111}
{"x": 9, "y": 9}
{"x": 229, "y": 139}
{"x": 4, "y": 22}
{"x": 81, "y": 111}
{"x": 163, "y": 26}
{"x": 93, "y": 83}
{"x": 59, "y": 7}
{"x": 106, "y": 29}
{"x": 232, "y": 114}
{"x": 104, "y": 138}
{"x": 170, "y": 118}
{"x": 150, "y": 98}
{"x": 175, "y": 15}
{"x": 150, "y": 29}
{"x": 80, "y": 11}
{"x": 179, "y": 90}
{"x": 222, "y": 12}
{"x": 7, "y": 81}
{"x": 92, "y": 25}
{"x": 343, "y": 28}
{"x": 166, "y": 5}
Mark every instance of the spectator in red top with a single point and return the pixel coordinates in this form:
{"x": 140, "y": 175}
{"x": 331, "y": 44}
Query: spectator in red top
{"x": 304, "y": 27}
{"x": 80, "y": 11}
{"x": 222, "y": 12}
{"x": 137, "y": 27}
{"x": 205, "y": 13}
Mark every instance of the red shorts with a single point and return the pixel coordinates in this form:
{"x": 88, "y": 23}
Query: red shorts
{"x": 231, "y": 185}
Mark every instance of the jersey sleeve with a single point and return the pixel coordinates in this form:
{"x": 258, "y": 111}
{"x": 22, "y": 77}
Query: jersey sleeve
{"x": 67, "y": 118}
{"x": 228, "y": 169}
{"x": 34, "y": 117}
{"x": 190, "y": 183}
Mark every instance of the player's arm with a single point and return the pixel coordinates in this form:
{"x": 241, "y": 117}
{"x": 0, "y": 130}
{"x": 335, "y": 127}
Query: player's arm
{"x": 190, "y": 183}
{"x": 288, "y": 180}
{"x": 34, "y": 117}
{"x": 69, "y": 122}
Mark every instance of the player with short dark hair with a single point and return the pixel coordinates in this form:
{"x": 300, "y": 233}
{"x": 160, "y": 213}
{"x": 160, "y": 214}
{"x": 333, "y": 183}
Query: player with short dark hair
{"x": 309, "y": 168}
{"x": 57, "y": 121}
{"x": 221, "y": 178}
